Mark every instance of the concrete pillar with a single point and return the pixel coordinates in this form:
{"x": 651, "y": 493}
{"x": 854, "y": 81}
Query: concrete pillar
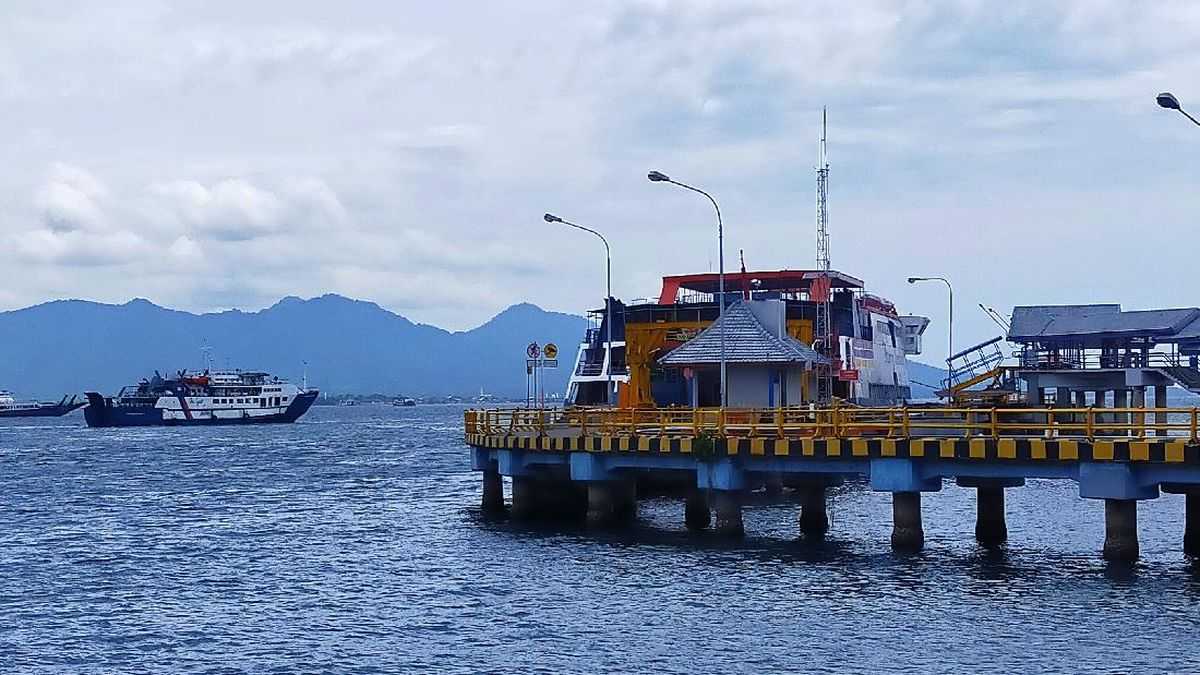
{"x": 990, "y": 528}
{"x": 1099, "y": 401}
{"x": 1120, "y": 400}
{"x": 1160, "y": 401}
{"x": 611, "y": 502}
{"x": 1063, "y": 397}
{"x": 814, "y": 520}
{"x": 696, "y": 514}
{"x": 907, "y": 533}
{"x": 493, "y": 492}
{"x": 524, "y": 498}
{"x": 1191, "y": 525}
{"x": 1081, "y": 398}
{"x": 1120, "y": 529}
{"x": 728, "y": 504}
{"x": 774, "y": 484}
{"x": 1139, "y": 418}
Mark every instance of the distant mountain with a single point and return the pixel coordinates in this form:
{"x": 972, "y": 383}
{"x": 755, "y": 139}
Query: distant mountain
{"x": 351, "y": 346}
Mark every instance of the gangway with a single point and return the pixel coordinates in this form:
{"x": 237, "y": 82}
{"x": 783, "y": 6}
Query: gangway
{"x": 976, "y": 365}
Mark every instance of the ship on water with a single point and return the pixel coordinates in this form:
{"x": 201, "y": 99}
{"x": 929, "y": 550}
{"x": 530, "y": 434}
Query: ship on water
{"x": 225, "y": 397}
{"x": 861, "y": 339}
{"x": 11, "y": 407}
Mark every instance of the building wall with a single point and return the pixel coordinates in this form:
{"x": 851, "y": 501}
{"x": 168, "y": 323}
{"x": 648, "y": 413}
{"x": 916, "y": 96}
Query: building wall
{"x": 750, "y": 386}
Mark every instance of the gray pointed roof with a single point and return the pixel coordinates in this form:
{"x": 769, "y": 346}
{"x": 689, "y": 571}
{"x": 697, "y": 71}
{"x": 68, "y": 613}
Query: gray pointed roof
{"x": 746, "y": 341}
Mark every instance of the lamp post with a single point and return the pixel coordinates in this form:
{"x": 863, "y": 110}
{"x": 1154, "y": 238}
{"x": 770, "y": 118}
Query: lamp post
{"x": 1167, "y": 100}
{"x": 608, "y": 351}
{"x": 659, "y": 177}
{"x": 913, "y": 280}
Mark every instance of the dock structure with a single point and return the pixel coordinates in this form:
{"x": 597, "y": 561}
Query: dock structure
{"x": 586, "y": 461}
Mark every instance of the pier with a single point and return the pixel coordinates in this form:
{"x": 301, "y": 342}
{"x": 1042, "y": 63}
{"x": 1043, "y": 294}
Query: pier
{"x": 586, "y": 462}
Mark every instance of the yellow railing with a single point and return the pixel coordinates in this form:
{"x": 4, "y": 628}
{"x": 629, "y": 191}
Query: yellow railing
{"x": 842, "y": 422}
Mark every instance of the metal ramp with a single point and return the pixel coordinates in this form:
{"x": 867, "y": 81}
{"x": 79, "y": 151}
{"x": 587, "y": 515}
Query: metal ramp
{"x": 977, "y": 365}
{"x": 1186, "y": 376}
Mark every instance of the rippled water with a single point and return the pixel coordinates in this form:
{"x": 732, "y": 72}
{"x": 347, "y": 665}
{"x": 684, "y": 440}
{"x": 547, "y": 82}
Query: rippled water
{"x": 351, "y": 542}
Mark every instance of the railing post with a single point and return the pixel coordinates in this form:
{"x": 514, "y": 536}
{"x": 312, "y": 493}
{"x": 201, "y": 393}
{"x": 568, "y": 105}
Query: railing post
{"x": 1195, "y": 425}
{"x": 541, "y": 422}
{"x": 583, "y": 420}
{"x": 721, "y": 422}
{"x": 695, "y": 421}
{"x": 779, "y": 422}
{"x": 891, "y": 423}
{"x": 906, "y": 422}
{"x": 835, "y": 421}
{"x": 1090, "y": 419}
{"x": 995, "y": 423}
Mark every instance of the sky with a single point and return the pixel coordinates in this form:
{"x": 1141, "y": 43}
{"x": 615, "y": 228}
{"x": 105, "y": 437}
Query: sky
{"x": 211, "y": 155}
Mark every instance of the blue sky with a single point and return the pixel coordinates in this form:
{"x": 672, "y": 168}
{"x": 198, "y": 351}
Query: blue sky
{"x": 209, "y": 155}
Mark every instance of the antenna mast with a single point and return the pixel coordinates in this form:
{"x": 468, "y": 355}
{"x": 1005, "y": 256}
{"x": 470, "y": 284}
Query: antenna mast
{"x": 821, "y": 290}
{"x": 823, "y": 202}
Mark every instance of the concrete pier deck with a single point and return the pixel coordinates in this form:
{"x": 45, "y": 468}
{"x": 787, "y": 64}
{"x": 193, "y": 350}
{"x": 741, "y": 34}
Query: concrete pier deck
{"x": 1116, "y": 459}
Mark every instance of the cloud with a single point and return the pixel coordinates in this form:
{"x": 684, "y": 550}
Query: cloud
{"x": 404, "y": 152}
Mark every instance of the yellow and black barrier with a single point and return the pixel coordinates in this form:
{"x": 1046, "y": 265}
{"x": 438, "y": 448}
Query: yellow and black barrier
{"x": 1165, "y": 450}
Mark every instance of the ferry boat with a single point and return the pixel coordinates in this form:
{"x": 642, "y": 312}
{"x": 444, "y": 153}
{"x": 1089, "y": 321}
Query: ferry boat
{"x": 228, "y": 397}
{"x": 868, "y": 344}
{"x": 10, "y": 407}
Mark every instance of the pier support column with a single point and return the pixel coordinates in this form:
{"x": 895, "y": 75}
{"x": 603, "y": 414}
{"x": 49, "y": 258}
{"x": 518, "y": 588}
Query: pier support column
{"x": 1120, "y": 400}
{"x": 773, "y": 484}
{"x": 729, "y": 512}
{"x": 1120, "y": 529}
{"x": 990, "y": 526}
{"x": 493, "y": 492}
{"x": 611, "y": 502}
{"x": 907, "y": 533}
{"x": 524, "y": 498}
{"x": 696, "y": 514}
{"x": 1139, "y": 418}
{"x": 1160, "y": 401}
{"x": 1191, "y": 525}
{"x": 814, "y": 519}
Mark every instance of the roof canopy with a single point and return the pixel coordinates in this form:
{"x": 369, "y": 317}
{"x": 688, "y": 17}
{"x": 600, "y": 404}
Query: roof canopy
{"x": 747, "y": 341}
{"x": 1091, "y": 325}
{"x": 778, "y": 280}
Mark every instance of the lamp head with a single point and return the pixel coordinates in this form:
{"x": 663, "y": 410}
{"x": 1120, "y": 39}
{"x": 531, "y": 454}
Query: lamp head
{"x": 551, "y": 218}
{"x": 913, "y": 280}
{"x": 657, "y": 177}
{"x": 1168, "y": 101}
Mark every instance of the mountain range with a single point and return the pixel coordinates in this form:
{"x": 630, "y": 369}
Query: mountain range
{"x": 350, "y": 346}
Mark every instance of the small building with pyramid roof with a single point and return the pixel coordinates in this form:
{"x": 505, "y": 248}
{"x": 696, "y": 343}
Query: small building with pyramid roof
{"x": 765, "y": 367}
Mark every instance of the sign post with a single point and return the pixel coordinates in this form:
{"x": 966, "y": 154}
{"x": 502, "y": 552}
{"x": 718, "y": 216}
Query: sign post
{"x": 532, "y": 351}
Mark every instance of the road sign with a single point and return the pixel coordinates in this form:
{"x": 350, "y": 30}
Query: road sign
{"x": 848, "y": 375}
{"x": 549, "y": 363}
{"x": 533, "y": 351}
{"x": 550, "y": 350}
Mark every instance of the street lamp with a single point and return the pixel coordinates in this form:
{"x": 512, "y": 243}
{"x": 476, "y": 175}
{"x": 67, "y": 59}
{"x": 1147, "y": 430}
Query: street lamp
{"x": 608, "y": 320}
{"x": 949, "y": 354}
{"x": 1167, "y": 100}
{"x": 660, "y": 177}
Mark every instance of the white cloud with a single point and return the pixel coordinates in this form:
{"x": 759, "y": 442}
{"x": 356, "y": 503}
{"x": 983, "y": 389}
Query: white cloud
{"x": 404, "y": 152}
